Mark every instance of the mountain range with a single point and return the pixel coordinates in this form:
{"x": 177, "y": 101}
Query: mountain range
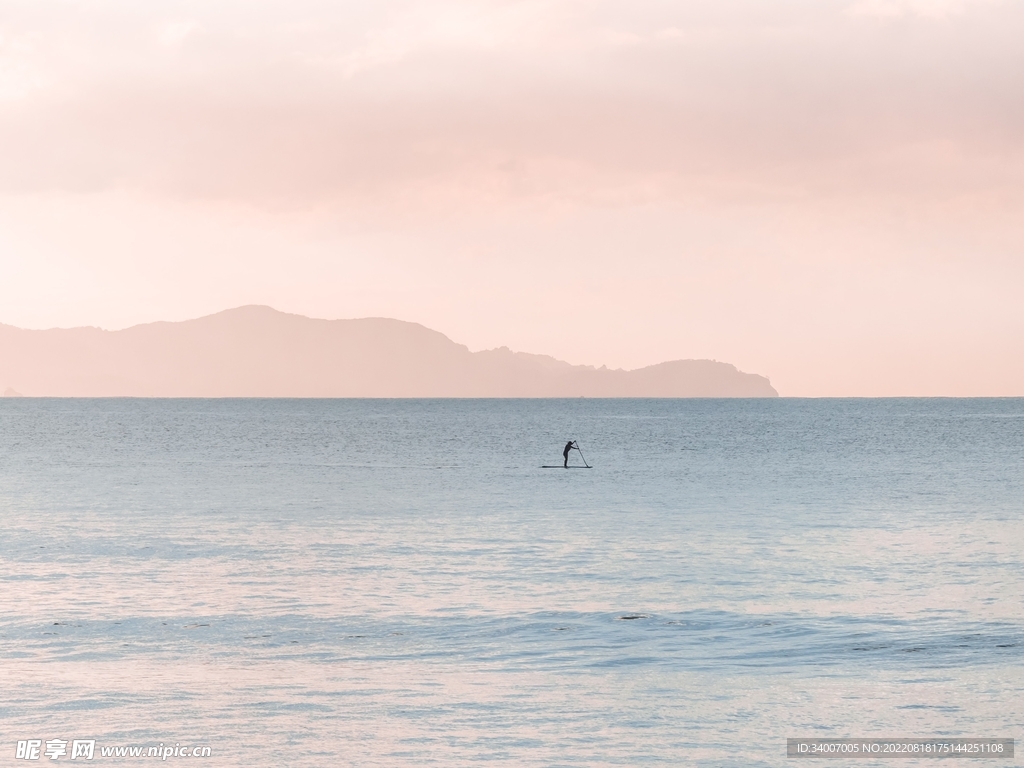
{"x": 257, "y": 351}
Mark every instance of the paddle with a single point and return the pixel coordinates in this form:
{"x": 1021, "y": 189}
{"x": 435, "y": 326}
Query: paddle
{"x": 581, "y": 456}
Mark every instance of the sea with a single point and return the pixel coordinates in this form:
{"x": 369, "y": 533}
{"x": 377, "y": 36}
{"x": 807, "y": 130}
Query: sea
{"x": 401, "y": 583}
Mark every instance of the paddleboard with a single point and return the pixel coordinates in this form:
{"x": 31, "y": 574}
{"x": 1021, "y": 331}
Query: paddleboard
{"x": 559, "y": 466}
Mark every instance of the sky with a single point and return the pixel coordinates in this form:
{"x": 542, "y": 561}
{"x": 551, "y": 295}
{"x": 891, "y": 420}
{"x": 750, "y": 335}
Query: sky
{"x": 829, "y": 193}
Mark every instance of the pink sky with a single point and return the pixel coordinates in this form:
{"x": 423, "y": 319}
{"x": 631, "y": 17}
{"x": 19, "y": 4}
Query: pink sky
{"x": 830, "y": 194}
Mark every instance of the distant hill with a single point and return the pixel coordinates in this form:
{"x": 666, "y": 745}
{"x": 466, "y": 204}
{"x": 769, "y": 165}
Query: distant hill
{"x": 257, "y": 351}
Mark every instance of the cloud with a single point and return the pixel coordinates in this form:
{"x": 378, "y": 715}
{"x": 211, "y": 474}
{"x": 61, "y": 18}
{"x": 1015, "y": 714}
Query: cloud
{"x": 174, "y": 33}
{"x": 311, "y": 102}
{"x": 930, "y": 9}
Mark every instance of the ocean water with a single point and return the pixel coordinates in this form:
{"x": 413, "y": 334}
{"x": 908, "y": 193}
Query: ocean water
{"x": 398, "y": 583}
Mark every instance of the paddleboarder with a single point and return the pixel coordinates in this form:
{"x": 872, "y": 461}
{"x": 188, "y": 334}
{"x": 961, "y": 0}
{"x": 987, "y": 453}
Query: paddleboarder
{"x": 565, "y": 452}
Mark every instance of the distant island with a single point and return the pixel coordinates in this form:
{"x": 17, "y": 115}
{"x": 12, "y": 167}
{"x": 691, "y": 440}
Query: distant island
{"x": 256, "y": 351}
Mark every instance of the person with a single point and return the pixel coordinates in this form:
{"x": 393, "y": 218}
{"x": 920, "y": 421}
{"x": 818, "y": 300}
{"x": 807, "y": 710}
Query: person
{"x": 565, "y": 452}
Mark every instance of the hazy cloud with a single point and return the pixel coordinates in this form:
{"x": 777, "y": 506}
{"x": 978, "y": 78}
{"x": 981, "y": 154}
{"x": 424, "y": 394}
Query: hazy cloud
{"x": 308, "y": 102}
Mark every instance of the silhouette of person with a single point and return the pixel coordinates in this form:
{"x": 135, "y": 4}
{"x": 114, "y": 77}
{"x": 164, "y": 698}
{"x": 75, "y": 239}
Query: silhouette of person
{"x": 565, "y": 452}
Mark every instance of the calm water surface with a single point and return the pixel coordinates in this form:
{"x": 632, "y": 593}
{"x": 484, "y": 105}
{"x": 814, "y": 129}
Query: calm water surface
{"x": 398, "y": 583}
